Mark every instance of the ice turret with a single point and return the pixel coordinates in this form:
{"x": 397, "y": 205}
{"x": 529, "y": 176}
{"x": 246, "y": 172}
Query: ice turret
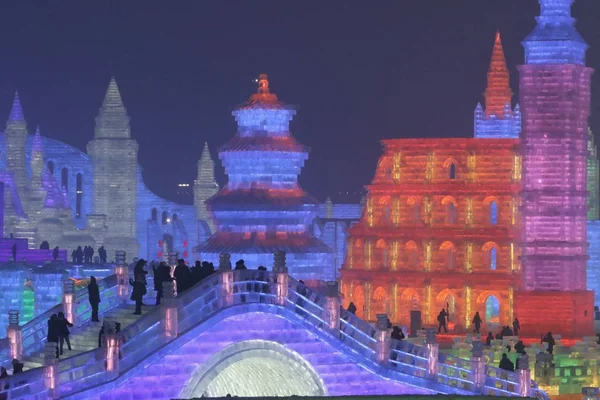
{"x": 37, "y": 161}
{"x": 112, "y": 120}
{"x": 498, "y": 120}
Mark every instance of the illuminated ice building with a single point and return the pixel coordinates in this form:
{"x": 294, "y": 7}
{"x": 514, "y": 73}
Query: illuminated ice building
{"x": 262, "y": 209}
{"x": 495, "y": 224}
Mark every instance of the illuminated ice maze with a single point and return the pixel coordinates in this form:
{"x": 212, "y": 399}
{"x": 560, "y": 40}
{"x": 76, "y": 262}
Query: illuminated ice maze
{"x": 245, "y": 333}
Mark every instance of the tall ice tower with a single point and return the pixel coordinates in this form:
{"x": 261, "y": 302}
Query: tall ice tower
{"x": 263, "y": 209}
{"x": 555, "y": 99}
{"x": 114, "y": 158}
{"x": 16, "y": 137}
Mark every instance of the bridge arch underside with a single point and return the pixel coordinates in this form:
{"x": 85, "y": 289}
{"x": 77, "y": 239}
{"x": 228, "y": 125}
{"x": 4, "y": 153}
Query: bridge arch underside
{"x": 255, "y": 347}
{"x": 255, "y": 368}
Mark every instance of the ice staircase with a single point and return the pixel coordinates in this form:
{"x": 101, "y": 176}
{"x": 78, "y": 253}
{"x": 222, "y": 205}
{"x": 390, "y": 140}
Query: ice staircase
{"x": 85, "y": 338}
{"x": 159, "y": 356}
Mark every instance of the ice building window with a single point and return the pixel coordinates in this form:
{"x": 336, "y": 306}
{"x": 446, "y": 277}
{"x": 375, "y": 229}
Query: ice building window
{"x": 452, "y": 171}
{"x": 492, "y": 310}
{"x": 493, "y": 213}
{"x": 448, "y": 254}
{"x": 64, "y": 178}
{"x": 174, "y": 217}
{"x": 165, "y": 218}
{"x": 154, "y": 214}
{"x": 493, "y": 259}
{"x": 50, "y": 166}
{"x": 79, "y": 194}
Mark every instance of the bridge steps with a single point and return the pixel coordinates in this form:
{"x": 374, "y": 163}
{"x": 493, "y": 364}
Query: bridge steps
{"x": 85, "y": 338}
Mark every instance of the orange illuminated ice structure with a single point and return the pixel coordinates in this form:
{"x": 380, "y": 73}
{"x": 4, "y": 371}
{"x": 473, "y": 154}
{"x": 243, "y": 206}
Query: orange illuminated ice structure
{"x": 440, "y": 229}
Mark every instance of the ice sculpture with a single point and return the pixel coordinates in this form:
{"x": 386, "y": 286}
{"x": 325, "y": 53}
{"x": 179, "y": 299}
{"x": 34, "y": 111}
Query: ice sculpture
{"x": 498, "y": 120}
{"x": 555, "y": 98}
{"x": 262, "y": 209}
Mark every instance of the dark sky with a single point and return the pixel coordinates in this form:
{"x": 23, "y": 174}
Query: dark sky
{"x": 359, "y": 70}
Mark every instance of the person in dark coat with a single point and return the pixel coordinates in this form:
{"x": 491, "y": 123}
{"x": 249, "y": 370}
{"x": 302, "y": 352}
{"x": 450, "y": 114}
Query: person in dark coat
{"x": 137, "y": 295}
{"x": 55, "y": 253}
{"x": 14, "y": 252}
{"x": 397, "y": 333}
{"x": 79, "y": 253}
{"x": 63, "y": 332}
{"x": 477, "y": 321}
{"x": 442, "y": 318}
{"x": 53, "y": 330}
{"x": 488, "y": 339}
{"x": 352, "y": 308}
{"x": 550, "y": 340}
{"x": 506, "y": 364}
{"x": 94, "y": 297}
{"x": 161, "y": 274}
{"x": 520, "y": 347}
{"x": 182, "y": 276}
{"x": 516, "y": 326}
{"x": 74, "y": 256}
{"x": 17, "y": 366}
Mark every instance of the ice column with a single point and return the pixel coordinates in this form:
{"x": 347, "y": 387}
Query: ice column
{"x": 226, "y": 278}
{"x": 122, "y": 273}
{"x": 11, "y": 293}
{"x": 170, "y": 304}
{"x": 432, "y": 354}
{"x": 69, "y": 300}
{"x": 51, "y": 370}
{"x": 14, "y": 335}
{"x": 333, "y": 306}
{"x": 524, "y": 375}
{"x": 478, "y": 365}
{"x": 383, "y": 339}
{"x": 281, "y": 272}
{"x": 112, "y": 346}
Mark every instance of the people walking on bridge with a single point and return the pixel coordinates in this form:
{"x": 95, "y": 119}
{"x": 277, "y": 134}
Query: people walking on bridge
{"x": 516, "y": 326}
{"x": 477, "y": 321}
{"x": 442, "y": 321}
{"x": 506, "y": 364}
{"x": 94, "y": 298}
{"x": 63, "y": 332}
{"x": 183, "y": 276}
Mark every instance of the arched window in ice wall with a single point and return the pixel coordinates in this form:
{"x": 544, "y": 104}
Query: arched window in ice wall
{"x": 452, "y": 171}
{"x": 165, "y": 218}
{"x": 490, "y": 249}
{"x": 493, "y": 213}
{"x": 492, "y": 310}
{"x": 448, "y": 255}
{"x": 174, "y": 218}
{"x": 154, "y": 214}
{"x": 79, "y": 194}
{"x": 50, "y": 166}
{"x": 64, "y": 179}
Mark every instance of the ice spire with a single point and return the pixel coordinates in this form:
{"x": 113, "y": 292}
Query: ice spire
{"x": 16, "y": 112}
{"x": 498, "y": 93}
{"x": 112, "y": 120}
{"x": 206, "y": 168}
{"x": 37, "y": 141}
{"x": 112, "y": 98}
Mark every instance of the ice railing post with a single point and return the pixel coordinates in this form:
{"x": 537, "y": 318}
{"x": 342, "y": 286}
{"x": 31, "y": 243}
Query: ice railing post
{"x": 112, "y": 346}
{"x": 226, "y": 279}
{"x": 332, "y": 305}
{"x": 15, "y": 335}
{"x": 383, "y": 350}
{"x": 524, "y": 376}
{"x": 170, "y": 317}
{"x": 69, "y": 300}
{"x": 590, "y": 393}
{"x": 51, "y": 369}
{"x": 281, "y": 276}
{"x": 478, "y": 366}
{"x": 432, "y": 354}
{"x": 122, "y": 273}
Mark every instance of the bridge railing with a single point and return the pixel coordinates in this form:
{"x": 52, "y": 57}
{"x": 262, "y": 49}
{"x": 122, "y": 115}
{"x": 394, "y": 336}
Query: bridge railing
{"x": 35, "y": 332}
{"x": 223, "y": 290}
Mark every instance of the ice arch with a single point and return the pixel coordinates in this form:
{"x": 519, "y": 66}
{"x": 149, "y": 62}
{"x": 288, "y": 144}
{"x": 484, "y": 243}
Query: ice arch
{"x": 255, "y": 368}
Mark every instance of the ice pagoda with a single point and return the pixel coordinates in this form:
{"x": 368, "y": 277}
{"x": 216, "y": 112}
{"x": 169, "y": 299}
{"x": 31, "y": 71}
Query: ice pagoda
{"x": 262, "y": 209}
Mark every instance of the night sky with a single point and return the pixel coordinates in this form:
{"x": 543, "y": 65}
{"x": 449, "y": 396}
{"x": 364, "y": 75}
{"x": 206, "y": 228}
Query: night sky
{"x": 359, "y": 71}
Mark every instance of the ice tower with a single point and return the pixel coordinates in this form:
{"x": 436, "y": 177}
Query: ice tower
{"x": 555, "y": 97}
{"x": 498, "y": 120}
{"x": 205, "y": 186}
{"x": 262, "y": 208}
{"x": 114, "y": 155}
{"x": 16, "y": 136}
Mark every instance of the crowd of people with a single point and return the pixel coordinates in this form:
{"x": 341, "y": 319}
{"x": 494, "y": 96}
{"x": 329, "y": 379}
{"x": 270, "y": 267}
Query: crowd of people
{"x": 86, "y": 255}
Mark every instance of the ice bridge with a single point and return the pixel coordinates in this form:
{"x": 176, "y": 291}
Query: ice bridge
{"x": 246, "y": 333}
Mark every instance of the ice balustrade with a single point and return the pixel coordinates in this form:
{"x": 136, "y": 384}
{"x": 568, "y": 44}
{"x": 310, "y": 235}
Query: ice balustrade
{"x": 35, "y": 331}
{"x": 145, "y": 338}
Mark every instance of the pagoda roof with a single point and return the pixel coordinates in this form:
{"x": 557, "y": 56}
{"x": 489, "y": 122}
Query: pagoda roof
{"x": 262, "y": 197}
{"x": 264, "y": 143}
{"x": 263, "y": 99}
{"x": 233, "y": 242}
